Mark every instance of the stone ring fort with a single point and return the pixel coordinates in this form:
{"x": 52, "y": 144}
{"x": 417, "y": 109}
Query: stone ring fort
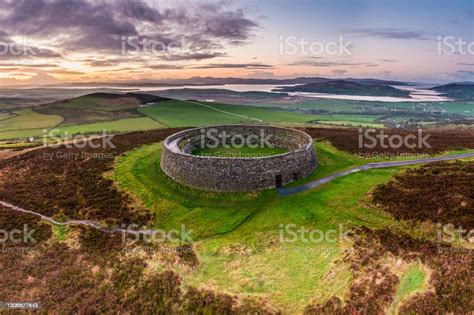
{"x": 233, "y": 174}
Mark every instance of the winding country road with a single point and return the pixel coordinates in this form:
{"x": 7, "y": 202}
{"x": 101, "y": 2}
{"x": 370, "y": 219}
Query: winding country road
{"x": 319, "y": 182}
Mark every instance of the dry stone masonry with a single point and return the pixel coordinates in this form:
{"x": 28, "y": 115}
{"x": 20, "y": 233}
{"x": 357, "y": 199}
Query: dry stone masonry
{"x": 232, "y": 174}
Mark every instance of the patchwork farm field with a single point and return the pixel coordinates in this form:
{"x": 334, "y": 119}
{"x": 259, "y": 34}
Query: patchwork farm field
{"x": 121, "y": 113}
{"x": 331, "y": 106}
{"x": 5, "y": 116}
{"x": 29, "y": 119}
{"x": 350, "y": 120}
{"x": 121, "y": 125}
{"x": 376, "y": 114}
{"x": 117, "y": 126}
{"x": 131, "y": 112}
{"x": 170, "y": 113}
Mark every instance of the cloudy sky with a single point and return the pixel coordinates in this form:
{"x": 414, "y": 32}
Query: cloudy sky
{"x": 53, "y": 41}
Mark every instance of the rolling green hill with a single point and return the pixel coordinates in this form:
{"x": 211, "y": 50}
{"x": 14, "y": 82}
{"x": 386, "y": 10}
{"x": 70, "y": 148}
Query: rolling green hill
{"x": 238, "y": 233}
{"x": 459, "y": 91}
{"x": 346, "y": 88}
{"x": 132, "y": 112}
{"x": 191, "y": 113}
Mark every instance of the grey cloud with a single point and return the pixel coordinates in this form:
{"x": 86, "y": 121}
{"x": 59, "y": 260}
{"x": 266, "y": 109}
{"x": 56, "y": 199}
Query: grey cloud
{"x": 230, "y": 24}
{"x": 470, "y": 14}
{"x": 20, "y": 52}
{"x": 261, "y": 74}
{"x": 465, "y": 63}
{"x": 464, "y": 73}
{"x": 28, "y": 65}
{"x": 165, "y": 67}
{"x": 193, "y": 56}
{"x": 45, "y": 53}
{"x": 102, "y": 25}
{"x": 339, "y": 71}
{"x": 67, "y": 72}
{"x": 104, "y": 63}
{"x": 146, "y": 63}
{"x": 388, "y": 33}
{"x": 324, "y": 63}
{"x": 235, "y": 66}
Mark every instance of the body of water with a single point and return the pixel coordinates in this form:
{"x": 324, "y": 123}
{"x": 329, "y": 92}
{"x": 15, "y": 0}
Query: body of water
{"x": 417, "y": 93}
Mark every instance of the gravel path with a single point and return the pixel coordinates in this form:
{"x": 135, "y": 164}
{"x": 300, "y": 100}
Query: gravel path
{"x": 91, "y": 224}
{"x": 319, "y": 182}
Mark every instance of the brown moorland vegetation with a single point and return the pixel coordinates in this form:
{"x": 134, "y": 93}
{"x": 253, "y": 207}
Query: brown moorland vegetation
{"x": 441, "y": 192}
{"x": 374, "y": 285}
{"x": 347, "y": 139}
{"x": 69, "y": 181}
{"x": 94, "y": 272}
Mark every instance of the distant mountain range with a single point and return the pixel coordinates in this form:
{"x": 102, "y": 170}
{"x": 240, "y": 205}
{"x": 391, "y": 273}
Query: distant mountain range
{"x": 190, "y": 93}
{"x": 458, "y": 90}
{"x": 345, "y": 87}
{"x": 197, "y": 81}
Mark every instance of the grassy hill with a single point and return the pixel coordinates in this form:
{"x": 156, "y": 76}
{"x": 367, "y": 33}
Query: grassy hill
{"x": 459, "y": 91}
{"x": 237, "y": 235}
{"x": 97, "y": 107}
{"x": 346, "y": 88}
{"x": 85, "y": 114}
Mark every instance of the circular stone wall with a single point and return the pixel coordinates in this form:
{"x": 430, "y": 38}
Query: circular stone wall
{"x": 224, "y": 174}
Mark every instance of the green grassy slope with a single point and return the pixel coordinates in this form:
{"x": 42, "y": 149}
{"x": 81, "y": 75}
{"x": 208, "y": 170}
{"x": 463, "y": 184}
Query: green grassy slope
{"x": 4, "y": 116}
{"x": 183, "y": 114}
{"x": 29, "y": 119}
{"x": 412, "y": 280}
{"x": 91, "y": 109}
{"x": 121, "y": 125}
{"x": 245, "y": 151}
{"x": 238, "y": 234}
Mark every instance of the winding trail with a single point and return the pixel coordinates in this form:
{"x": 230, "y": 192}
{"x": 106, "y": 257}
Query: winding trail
{"x": 92, "y": 224}
{"x": 224, "y": 111}
{"x": 324, "y": 180}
